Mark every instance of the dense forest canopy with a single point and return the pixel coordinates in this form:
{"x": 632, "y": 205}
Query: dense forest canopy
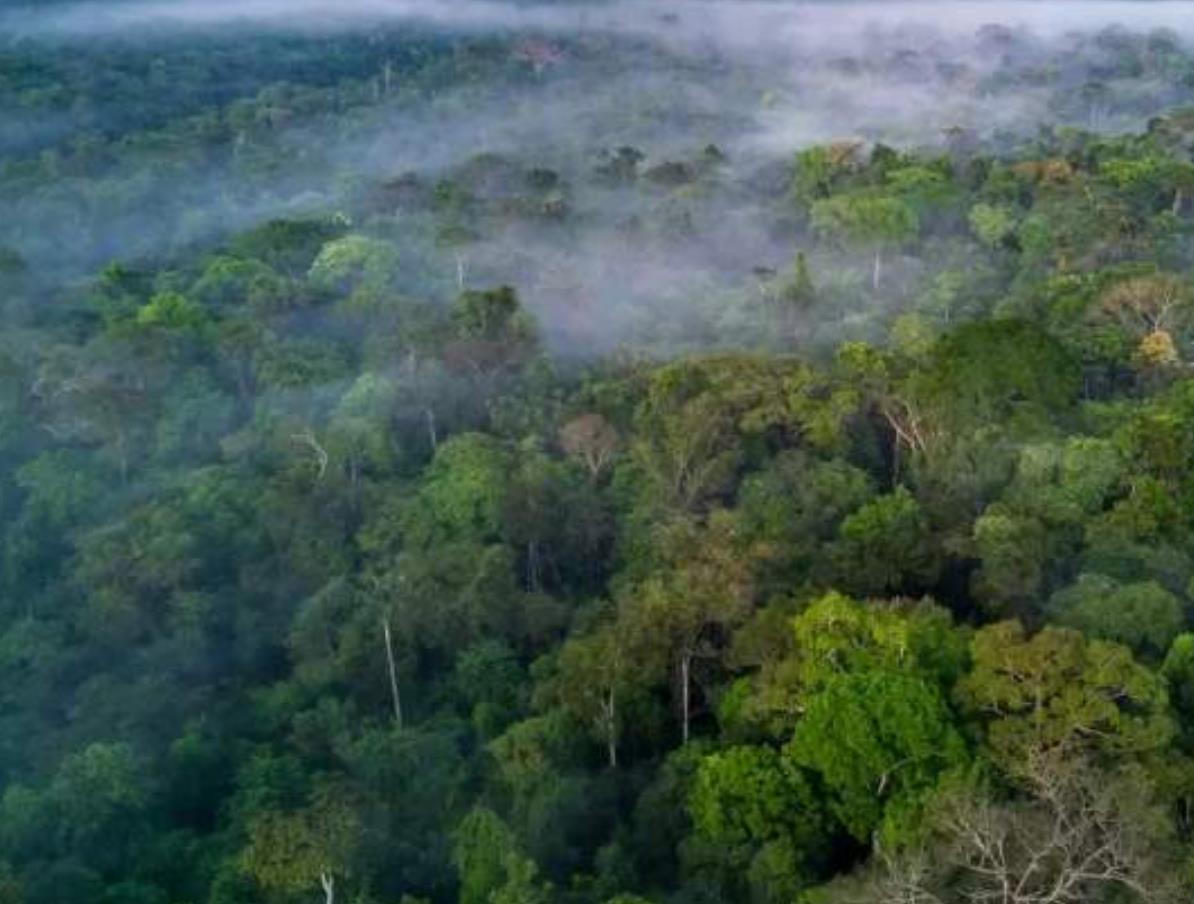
{"x": 629, "y": 453}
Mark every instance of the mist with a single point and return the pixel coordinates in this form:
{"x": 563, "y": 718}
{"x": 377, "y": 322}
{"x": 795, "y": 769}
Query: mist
{"x": 756, "y": 81}
{"x": 748, "y": 23}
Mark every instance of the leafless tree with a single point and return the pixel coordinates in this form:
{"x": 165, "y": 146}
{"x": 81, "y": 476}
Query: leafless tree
{"x": 592, "y": 440}
{"x": 307, "y": 439}
{"x": 1079, "y": 835}
{"x": 1146, "y": 304}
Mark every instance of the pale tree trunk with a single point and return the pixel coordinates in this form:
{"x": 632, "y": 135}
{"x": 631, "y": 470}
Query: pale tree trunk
{"x": 385, "y": 624}
{"x": 685, "y": 663}
{"x": 432, "y": 433}
{"x": 877, "y": 269}
{"x": 328, "y": 881}
{"x": 611, "y": 728}
{"x": 533, "y": 575}
{"x": 122, "y": 457}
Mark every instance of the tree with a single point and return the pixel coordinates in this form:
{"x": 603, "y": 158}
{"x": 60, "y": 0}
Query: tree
{"x": 490, "y": 682}
{"x": 230, "y": 282}
{"x": 295, "y": 852}
{"x": 876, "y": 221}
{"x": 996, "y": 370}
{"x": 830, "y": 637}
{"x": 99, "y": 794}
{"x": 684, "y": 613}
{"x": 1150, "y": 308}
{"x": 799, "y": 293}
{"x": 994, "y": 225}
{"x": 287, "y": 246}
{"x": 1014, "y": 550}
{"x": 885, "y": 547}
{"x": 885, "y": 383}
{"x": 751, "y": 804}
{"x": 522, "y": 885}
{"x": 483, "y": 842}
{"x": 407, "y": 790}
{"x": 494, "y": 334}
{"x": 1057, "y": 693}
{"x": 558, "y": 522}
{"x": 700, "y": 418}
{"x": 557, "y": 811}
{"x": 688, "y": 456}
{"x": 1178, "y": 669}
{"x": 1143, "y": 616}
{"x": 794, "y": 295}
{"x": 1081, "y": 835}
{"x": 880, "y": 742}
{"x": 492, "y": 870}
{"x": 595, "y": 674}
{"x": 794, "y": 506}
{"x": 461, "y": 494}
{"x": 592, "y": 440}
{"x": 97, "y": 394}
{"x": 836, "y": 635}
{"x": 819, "y": 170}
{"x": 351, "y": 263}
{"x": 171, "y": 311}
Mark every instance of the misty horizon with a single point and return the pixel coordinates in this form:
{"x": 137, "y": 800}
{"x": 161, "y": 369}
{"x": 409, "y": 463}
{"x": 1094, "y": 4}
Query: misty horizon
{"x": 802, "y": 73}
{"x": 734, "y": 20}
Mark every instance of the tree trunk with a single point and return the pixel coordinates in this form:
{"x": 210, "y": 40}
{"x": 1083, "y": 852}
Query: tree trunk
{"x": 535, "y": 566}
{"x": 685, "y": 663}
{"x": 460, "y": 272}
{"x": 432, "y": 434}
{"x": 877, "y": 269}
{"x": 385, "y": 624}
{"x": 1179, "y": 200}
{"x": 611, "y": 729}
{"x": 328, "y": 881}
{"x": 122, "y": 446}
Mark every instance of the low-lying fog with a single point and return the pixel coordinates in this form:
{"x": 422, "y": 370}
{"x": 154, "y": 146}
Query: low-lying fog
{"x": 749, "y": 23}
{"x": 757, "y": 80}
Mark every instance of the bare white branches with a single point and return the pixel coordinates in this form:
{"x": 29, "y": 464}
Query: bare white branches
{"x": 306, "y": 438}
{"x": 1078, "y": 835}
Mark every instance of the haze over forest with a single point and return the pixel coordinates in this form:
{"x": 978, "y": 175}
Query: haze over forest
{"x": 630, "y": 452}
{"x": 753, "y": 79}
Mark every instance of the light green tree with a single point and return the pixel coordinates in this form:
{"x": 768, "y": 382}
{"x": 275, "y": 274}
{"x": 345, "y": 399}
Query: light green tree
{"x": 877, "y": 222}
{"x": 293, "y": 852}
{"x": 1056, "y": 692}
{"x": 879, "y": 741}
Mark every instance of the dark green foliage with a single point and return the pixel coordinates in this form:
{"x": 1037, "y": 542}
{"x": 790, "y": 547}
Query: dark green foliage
{"x": 341, "y": 550}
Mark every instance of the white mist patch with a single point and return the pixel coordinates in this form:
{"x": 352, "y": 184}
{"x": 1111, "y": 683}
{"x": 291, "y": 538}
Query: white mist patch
{"x": 742, "y": 23}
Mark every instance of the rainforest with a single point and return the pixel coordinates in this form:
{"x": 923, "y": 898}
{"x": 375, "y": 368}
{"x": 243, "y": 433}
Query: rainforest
{"x": 596, "y": 452}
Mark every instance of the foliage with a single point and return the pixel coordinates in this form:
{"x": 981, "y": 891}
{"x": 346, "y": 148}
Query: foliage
{"x": 516, "y": 530}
